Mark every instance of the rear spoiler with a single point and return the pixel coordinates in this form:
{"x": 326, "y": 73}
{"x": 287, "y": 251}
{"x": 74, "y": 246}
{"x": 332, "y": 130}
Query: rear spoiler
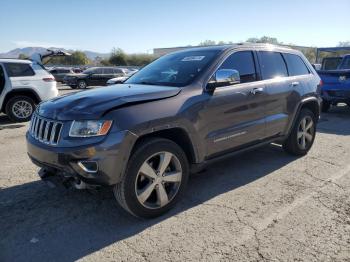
{"x": 38, "y": 58}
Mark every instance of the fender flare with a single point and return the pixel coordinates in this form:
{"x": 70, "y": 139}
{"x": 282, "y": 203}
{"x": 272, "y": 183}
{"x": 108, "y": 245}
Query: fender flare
{"x": 19, "y": 91}
{"x": 300, "y": 105}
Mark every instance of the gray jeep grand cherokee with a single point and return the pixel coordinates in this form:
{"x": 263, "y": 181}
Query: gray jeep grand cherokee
{"x": 178, "y": 114}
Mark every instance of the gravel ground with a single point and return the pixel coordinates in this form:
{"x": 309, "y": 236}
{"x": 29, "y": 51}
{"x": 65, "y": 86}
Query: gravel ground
{"x": 263, "y": 205}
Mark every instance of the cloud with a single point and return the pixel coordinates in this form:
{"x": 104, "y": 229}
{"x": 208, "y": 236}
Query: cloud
{"x": 25, "y": 43}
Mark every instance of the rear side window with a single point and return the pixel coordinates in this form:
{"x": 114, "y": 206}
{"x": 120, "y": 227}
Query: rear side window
{"x": 272, "y": 65}
{"x": 18, "y": 69}
{"x": 296, "y": 65}
{"x": 243, "y": 62}
{"x": 98, "y": 71}
{"x": 108, "y": 71}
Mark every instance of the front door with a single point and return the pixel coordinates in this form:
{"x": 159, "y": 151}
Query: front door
{"x": 234, "y": 116}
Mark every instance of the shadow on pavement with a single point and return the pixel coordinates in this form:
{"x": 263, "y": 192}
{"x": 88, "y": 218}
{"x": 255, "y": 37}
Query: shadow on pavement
{"x": 50, "y": 224}
{"x": 336, "y": 121}
{"x": 6, "y": 123}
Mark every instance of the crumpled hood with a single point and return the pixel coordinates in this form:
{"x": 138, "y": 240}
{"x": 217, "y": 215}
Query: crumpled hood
{"x": 92, "y": 104}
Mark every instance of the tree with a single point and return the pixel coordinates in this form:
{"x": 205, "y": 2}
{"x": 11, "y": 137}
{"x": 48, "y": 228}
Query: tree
{"x": 22, "y": 56}
{"x": 139, "y": 59}
{"x": 207, "y": 42}
{"x": 264, "y": 39}
{"x": 118, "y": 57}
{"x": 77, "y": 58}
{"x": 344, "y": 44}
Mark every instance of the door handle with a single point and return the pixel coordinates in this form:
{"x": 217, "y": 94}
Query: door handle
{"x": 258, "y": 90}
{"x": 293, "y": 84}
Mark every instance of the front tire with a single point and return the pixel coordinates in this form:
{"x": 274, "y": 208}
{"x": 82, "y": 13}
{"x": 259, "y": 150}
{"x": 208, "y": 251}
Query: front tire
{"x": 20, "y": 108}
{"x": 155, "y": 178}
{"x": 302, "y": 136}
{"x": 82, "y": 84}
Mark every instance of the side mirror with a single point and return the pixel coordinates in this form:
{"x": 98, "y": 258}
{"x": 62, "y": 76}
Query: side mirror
{"x": 223, "y": 77}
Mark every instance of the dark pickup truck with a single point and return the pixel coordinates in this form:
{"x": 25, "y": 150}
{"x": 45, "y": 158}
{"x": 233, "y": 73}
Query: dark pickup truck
{"x": 335, "y": 75}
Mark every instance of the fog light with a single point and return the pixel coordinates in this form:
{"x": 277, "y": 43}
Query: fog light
{"x": 88, "y": 166}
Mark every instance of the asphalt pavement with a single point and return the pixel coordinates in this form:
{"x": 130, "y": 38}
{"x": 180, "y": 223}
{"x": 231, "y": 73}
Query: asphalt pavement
{"x": 260, "y": 206}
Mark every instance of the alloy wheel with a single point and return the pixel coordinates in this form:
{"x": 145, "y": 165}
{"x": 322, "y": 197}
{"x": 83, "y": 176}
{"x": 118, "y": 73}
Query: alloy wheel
{"x": 306, "y": 132}
{"x": 82, "y": 85}
{"x": 22, "y": 109}
{"x": 158, "y": 180}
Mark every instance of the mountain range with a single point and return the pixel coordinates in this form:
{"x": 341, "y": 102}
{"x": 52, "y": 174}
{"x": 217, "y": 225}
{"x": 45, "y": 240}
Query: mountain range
{"x": 28, "y": 51}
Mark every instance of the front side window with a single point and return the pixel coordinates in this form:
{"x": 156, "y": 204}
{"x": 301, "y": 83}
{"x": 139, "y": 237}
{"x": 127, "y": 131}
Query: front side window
{"x": 243, "y": 62}
{"x": 346, "y": 63}
{"x": 18, "y": 69}
{"x": 177, "y": 69}
{"x": 108, "y": 71}
{"x": 295, "y": 65}
{"x": 272, "y": 65}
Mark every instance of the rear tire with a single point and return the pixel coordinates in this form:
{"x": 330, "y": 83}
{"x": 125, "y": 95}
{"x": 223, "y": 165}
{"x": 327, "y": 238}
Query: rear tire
{"x": 302, "y": 136}
{"x": 325, "y": 106}
{"x": 20, "y": 108}
{"x": 155, "y": 178}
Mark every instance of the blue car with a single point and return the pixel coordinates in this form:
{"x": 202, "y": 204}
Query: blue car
{"x": 335, "y": 75}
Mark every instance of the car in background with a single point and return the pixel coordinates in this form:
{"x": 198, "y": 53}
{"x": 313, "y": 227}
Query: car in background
{"x": 60, "y": 72}
{"x": 77, "y": 70}
{"x": 94, "y": 76}
{"x": 23, "y": 85}
{"x": 335, "y": 75}
{"x": 121, "y": 79}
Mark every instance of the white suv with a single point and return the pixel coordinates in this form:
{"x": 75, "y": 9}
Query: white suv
{"x": 24, "y": 84}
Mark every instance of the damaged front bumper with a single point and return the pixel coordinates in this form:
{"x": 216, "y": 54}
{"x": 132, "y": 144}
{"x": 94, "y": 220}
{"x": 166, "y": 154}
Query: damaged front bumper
{"x": 98, "y": 164}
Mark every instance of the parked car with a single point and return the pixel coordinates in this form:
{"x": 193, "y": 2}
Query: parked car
{"x": 95, "y": 76}
{"x": 335, "y": 74}
{"x": 60, "y": 72}
{"x": 121, "y": 79}
{"x": 23, "y": 85}
{"x": 177, "y": 115}
{"x": 77, "y": 70}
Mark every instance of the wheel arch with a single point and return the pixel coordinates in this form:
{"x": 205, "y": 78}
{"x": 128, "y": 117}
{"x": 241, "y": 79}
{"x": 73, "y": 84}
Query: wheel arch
{"x": 178, "y": 135}
{"x": 20, "y": 92}
{"x": 311, "y": 103}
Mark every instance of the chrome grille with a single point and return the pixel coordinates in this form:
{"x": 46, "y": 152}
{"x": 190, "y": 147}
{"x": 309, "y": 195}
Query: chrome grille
{"x": 45, "y": 130}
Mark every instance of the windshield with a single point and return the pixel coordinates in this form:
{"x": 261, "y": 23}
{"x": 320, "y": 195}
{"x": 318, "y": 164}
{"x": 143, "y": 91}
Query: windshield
{"x": 178, "y": 69}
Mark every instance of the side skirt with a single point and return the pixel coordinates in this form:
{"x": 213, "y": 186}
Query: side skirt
{"x": 196, "y": 168}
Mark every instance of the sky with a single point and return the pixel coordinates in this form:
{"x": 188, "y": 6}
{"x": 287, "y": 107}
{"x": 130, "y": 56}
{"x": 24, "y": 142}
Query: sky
{"x": 140, "y": 25}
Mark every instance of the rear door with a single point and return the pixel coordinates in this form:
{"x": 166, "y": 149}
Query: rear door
{"x": 234, "y": 115}
{"x": 108, "y": 73}
{"x": 5, "y": 84}
{"x": 282, "y": 92}
{"x": 96, "y": 77}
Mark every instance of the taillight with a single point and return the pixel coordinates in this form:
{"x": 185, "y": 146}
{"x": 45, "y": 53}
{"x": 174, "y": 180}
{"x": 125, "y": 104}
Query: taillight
{"x": 321, "y": 83}
{"x": 49, "y": 79}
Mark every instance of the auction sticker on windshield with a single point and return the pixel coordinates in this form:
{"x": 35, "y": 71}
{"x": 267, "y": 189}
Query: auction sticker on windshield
{"x": 193, "y": 58}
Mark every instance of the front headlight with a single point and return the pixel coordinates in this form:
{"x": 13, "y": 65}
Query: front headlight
{"x": 87, "y": 128}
